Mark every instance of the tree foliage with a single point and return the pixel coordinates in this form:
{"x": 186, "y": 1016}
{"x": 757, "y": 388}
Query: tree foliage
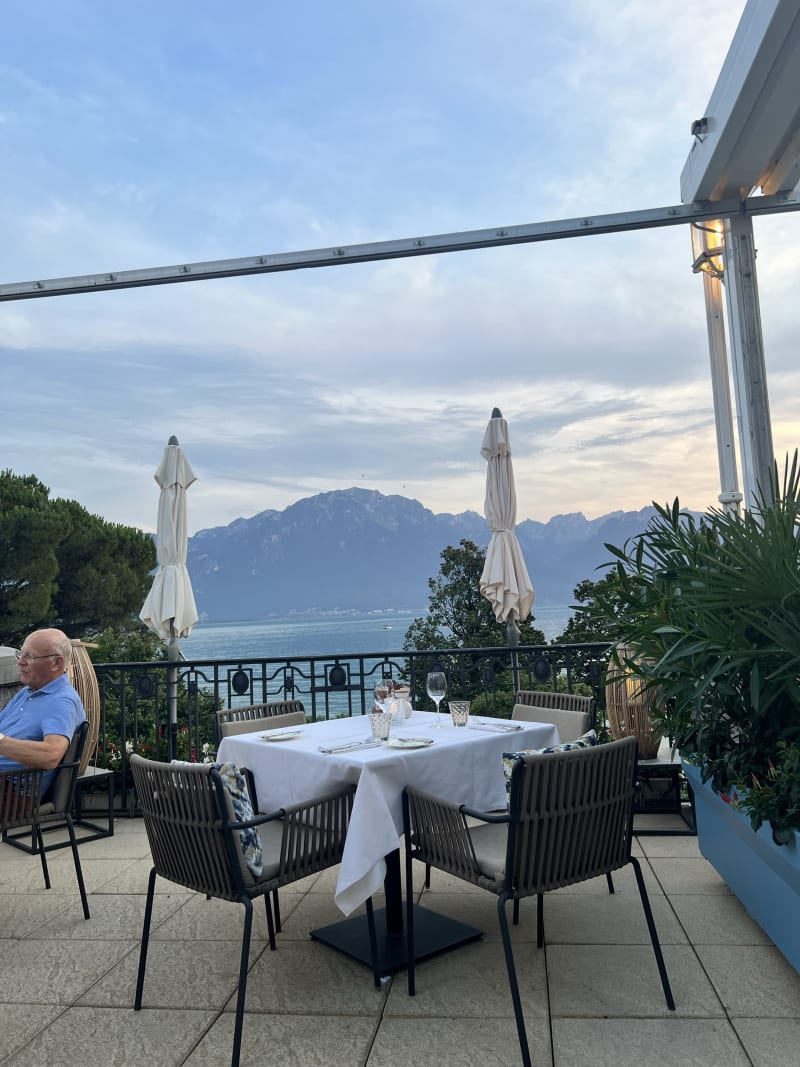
{"x": 588, "y": 622}
{"x": 458, "y": 616}
{"x": 62, "y": 566}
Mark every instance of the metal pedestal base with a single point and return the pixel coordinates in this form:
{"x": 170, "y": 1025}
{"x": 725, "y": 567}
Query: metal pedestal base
{"x": 433, "y": 933}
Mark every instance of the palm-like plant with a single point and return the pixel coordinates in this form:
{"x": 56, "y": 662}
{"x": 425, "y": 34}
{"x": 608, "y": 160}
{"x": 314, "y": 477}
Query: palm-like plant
{"x": 712, "y": 607}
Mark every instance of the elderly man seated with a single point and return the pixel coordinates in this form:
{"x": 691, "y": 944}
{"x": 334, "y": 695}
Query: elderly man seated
{"x": 37, "y": 724}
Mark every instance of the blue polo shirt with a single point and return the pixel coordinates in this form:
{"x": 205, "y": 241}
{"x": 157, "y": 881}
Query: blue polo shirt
{"x": 31, "y": 714}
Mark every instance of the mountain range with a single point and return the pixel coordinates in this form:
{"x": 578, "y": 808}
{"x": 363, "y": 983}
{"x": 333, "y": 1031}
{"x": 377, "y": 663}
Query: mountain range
{"x": 359, "y": 550}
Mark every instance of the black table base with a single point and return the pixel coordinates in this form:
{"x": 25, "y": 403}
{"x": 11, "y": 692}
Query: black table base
{"x": 433, "y": 933}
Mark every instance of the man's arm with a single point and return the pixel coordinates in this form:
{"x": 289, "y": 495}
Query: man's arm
{"x": 42, "y": 755}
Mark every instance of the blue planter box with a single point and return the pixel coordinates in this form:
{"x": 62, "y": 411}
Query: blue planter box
{"x": 764, "y": 876}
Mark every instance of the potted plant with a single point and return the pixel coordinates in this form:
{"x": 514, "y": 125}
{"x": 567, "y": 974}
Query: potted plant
{"x": 711, "y": 606}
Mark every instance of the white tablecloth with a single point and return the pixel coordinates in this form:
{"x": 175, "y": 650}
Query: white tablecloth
{"x": 464, "y": 765}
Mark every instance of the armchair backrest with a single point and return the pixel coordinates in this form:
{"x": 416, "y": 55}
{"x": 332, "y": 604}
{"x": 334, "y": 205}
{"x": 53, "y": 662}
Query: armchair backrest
{"x": 570, "y": 724}
{"x": 571, "y": 815}
{"x": 269, "y": 722}
{"x": 555, "y": 701}
{"x": 61, "y": 791}
{"x": 183, "y": 816}
{"x": 260, "y": 711}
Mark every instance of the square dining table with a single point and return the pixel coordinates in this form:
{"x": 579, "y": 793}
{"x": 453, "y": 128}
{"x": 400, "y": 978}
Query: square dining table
{"x": 463, "y": 764}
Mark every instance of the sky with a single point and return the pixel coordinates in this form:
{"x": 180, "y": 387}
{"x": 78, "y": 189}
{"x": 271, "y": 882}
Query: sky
{"x": 149, "y": 134}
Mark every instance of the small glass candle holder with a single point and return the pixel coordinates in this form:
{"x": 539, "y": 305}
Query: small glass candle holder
{"x": 380, "y": 723}
{"x": 459, "y": 712}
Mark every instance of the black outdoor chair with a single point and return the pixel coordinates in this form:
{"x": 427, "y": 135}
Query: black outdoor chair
{"x": 195, "y": 841}
{"x": 570, "y": 818}
{"x": 54, "y": 807}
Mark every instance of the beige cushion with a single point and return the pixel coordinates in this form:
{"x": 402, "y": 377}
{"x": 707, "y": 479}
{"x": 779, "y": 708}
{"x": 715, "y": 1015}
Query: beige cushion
{"x": 570, "y": 724}
{"x": 270, "y": 722}
{"x": 489, "y": 840}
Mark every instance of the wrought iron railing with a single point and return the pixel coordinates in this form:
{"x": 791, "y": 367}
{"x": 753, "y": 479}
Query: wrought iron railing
{"x": 135, "y": 697}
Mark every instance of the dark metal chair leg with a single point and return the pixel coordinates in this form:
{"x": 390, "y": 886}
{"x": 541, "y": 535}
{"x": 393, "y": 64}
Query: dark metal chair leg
{"x": 373, "y": 943}
{"x": 410, "y": 960}
{"x": 77, "y": 861}
{"x": 276, "y": 907}
{"x": 512, "y": 981}
{"x": 39, "y": 844}
{"x": 515, "y": 915}
{"x": 651, "y": 926}
{"x": 610, "y": 881}
{"x": 240, "y": 999}
{"x": 148, "y": 914}
{"x": 270, "y": 923}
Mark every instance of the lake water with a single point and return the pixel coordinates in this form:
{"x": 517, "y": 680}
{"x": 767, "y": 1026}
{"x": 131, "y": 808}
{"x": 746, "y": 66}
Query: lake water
{"x": 322, "y": 635}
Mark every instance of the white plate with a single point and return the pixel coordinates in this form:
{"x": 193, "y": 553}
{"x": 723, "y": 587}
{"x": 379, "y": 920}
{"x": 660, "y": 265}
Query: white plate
{"x": 409, "y": 742}
{"x": 283, "y": 736}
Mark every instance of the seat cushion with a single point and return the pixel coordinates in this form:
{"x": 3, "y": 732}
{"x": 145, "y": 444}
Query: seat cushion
{"x": 240, "y": 809}
{"x": 489, "y": 841}
{"x": 586, "y": 740}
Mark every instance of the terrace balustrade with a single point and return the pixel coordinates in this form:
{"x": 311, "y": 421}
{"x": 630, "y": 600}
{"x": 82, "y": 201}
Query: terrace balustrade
{"x": 134, "y": 697}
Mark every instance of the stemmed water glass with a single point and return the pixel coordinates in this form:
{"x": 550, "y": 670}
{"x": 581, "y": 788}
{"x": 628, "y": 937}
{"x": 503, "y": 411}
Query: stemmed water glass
{"x": 436, "y": 686}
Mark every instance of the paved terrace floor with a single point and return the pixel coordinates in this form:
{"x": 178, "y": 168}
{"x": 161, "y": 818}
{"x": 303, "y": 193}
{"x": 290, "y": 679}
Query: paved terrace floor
{"x": 592, "y": 997}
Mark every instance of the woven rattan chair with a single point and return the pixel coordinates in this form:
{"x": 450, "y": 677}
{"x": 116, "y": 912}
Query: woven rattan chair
{"x": 544, "y": 842}
{"x": 195, "y": 841}
{"x": 54, "y": 807}
{"x": 629, "y": 705}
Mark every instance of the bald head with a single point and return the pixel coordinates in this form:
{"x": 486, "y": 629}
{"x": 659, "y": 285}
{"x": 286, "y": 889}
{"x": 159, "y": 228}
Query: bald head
{"x": 45, "y": 655}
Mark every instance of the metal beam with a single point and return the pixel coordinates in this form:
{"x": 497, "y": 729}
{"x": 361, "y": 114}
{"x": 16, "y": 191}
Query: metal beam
{"x": 747, "y": 353}
{"x": 747, "y": 136}
{"x": 676, "y": 215}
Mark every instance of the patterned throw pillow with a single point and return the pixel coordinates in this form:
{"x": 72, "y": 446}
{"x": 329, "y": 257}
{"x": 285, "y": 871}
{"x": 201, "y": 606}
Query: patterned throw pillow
{"x": 236, "y": 788}
{"x": 586, "y": 740}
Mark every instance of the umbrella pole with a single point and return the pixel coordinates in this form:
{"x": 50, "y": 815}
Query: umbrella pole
{"x": 173, "y": 656}
{"x": 512, "y": 636}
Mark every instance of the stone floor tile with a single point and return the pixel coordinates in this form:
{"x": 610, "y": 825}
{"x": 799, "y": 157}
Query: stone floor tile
{"x": 687, "y": 876}
{"x": 23, "y": 915}
{"x": 476, "y": 980}
{"x": 199, "y": 919}
{"x": 288, "y": 1041}
{"x": 623, "y": 981}
{"x": 753, "y": 980}
{"x": 117, "y": 1036}
{"x": 196, "y": 975}
{"x": 634, "y": 1042}
{"x": 770, "y": 1042}
{"x": 457, "y": 1041}
{"x": 683, "y": 847}
{"x": 716, "y": 919}
{"x": 56, "y": 972}
{"x": 280, "y": 982}
{"x": 616, "y": 919}
{"x": 113, "y": 918}
{"x": 21, "y": 1022}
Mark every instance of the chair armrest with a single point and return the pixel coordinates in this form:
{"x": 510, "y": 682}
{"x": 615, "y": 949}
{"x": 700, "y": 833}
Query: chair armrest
{"x": 437, "y": 832}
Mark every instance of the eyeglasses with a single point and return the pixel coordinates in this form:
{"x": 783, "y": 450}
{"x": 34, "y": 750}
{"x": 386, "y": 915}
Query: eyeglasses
{"x": 29, "y": 658}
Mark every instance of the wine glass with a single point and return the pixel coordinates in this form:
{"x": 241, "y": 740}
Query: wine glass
{"x": 436, "y": 686}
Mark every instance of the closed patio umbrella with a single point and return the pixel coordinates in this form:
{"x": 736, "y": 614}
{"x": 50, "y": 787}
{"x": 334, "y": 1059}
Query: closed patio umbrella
{"x": 504, "y": 581}
{"x": 169, "y": 609}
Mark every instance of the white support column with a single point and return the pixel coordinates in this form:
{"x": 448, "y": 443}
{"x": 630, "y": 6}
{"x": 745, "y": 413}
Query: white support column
{"x": 747, "y": 353}
{"x": 729, "y": 496}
